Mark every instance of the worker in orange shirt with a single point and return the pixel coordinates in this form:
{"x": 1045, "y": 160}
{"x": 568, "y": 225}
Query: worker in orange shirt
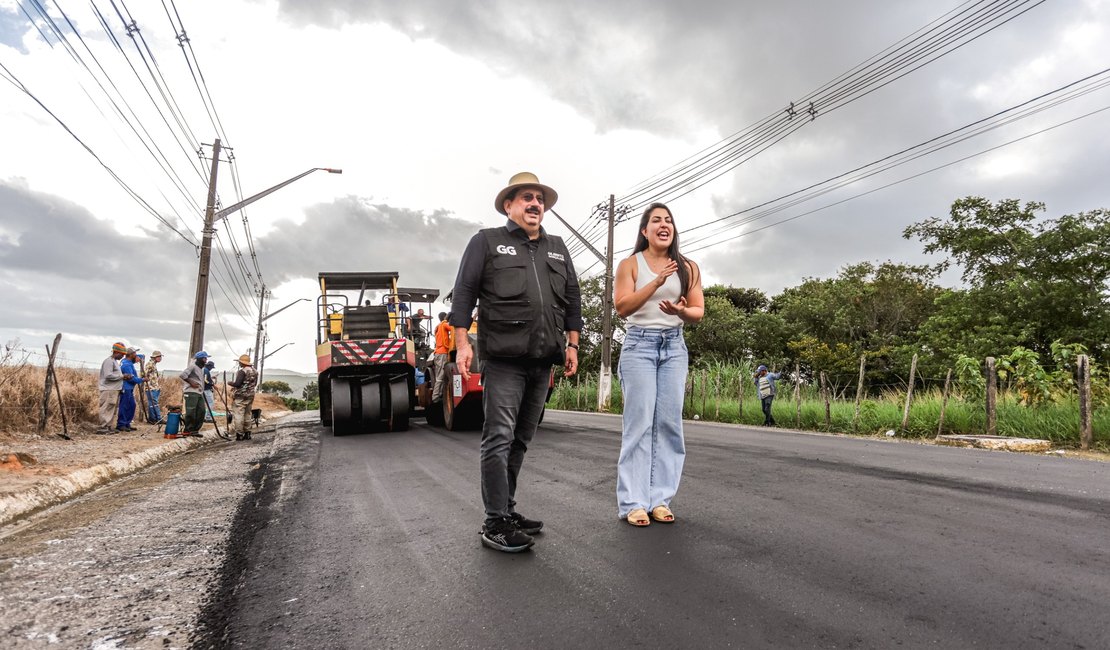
{"x": 444, "y": 344}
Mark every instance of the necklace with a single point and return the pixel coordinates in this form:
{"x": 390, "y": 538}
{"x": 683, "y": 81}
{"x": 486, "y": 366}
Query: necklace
{"x": 656, "y": 264}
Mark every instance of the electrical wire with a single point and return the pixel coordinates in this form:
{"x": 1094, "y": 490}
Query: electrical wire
{"x": 935, "y": 40}
{"x": 11, "y": 78}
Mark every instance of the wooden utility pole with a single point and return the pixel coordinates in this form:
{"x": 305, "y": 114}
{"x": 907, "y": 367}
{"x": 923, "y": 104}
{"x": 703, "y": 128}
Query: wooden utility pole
{"x": 196, "y": 339}
{"x": 605, "y": 379}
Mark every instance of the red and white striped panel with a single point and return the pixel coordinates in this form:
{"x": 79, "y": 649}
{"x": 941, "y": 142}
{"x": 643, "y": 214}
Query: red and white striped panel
{"x": 386, "y": 351}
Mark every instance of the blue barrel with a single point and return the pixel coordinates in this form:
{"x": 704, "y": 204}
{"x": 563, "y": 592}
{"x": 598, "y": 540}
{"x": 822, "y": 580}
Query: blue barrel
{"x": 173, "y": 423}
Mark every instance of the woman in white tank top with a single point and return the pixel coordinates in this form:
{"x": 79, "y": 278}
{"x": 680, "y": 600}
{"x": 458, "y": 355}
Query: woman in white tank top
{"x": 657, "y": 290}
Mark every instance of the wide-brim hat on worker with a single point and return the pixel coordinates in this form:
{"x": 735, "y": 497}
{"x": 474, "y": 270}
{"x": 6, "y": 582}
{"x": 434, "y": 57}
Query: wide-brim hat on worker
{"x": 245, "y": 359}
{"x": 156, "y": 353}
{"x": 524, "y": 179}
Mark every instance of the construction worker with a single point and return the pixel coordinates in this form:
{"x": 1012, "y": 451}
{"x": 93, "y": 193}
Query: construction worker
{"x": 193, "y": 376}
{"x": 153, "y": 378}
{"x": 109, "y": 384}
{"x": 245, "y": 383}
{"x": 127, "y": 396}
{"x": 444, "y": 345}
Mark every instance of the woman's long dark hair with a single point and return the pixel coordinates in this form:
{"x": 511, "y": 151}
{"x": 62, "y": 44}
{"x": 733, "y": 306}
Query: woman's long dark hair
{"x": 672, "y": 250}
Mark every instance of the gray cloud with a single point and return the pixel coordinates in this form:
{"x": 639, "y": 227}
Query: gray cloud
{"x": 355, "y": 234}
{"x": 13, "y": 26}
{"x": 674, "y": 69}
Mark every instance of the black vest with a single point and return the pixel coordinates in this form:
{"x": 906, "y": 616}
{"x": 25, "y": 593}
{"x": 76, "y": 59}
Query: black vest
{"x": 522, "y": 299}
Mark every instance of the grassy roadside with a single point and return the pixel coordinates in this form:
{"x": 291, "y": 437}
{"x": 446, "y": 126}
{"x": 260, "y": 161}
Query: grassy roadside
{"x": 718, "y": 401}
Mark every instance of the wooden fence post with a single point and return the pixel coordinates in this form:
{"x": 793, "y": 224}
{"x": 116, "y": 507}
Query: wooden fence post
{"x": 944, "y": 401}
{"x": 740, "y": 396}
{"x": 992, "y": 398}
{"x": 717, "y": 398}
{"x": 909, "y": 393}
{"x": 797, "y": 395}
{"x": 859, "y": 389}
{"x": 705, "y": 389}
{"x": 825, "y": 396}
{"x": 49, "y": 383}
{"x": 1084, "y": 402}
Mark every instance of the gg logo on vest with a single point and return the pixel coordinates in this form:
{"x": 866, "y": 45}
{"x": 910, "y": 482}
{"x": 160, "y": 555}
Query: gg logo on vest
{"x": 503, "y": 249}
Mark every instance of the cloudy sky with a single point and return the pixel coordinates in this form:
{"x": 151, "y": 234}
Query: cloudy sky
{"x": 430, "y": 105}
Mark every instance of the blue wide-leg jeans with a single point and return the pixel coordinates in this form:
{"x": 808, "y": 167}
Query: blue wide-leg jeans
{"x": 652, "y": 369}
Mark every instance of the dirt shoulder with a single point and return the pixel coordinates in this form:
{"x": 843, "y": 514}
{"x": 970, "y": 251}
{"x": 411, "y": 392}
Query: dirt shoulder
{"x": 30, "y": 459}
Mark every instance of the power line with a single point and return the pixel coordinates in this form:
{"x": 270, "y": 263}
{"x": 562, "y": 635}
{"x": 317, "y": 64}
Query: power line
{"x": 908, "y": 178}
{"x": 11, "y": 78}
{"x": 880, "y": 70}
{"x": 1034, "y": 106}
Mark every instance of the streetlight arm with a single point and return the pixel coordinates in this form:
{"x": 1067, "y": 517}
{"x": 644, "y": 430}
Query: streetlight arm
{"x": 245, "y": 202}
{"x": 275, "y": 351}
{"x": 282, "y": 309}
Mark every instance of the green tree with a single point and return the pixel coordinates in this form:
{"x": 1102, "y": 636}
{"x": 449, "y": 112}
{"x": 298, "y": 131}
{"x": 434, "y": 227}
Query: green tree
{"x": 589, "y": 352}
{"x": 311, "y": 392}
{"x": 1042, "y": 279}
{"x": 868, "y": 309}
{"x": 275, "y": 386}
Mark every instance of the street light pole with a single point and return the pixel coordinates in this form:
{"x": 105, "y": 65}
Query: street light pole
{"x": 196, "y": 338}
{"x": 261, "y": 319}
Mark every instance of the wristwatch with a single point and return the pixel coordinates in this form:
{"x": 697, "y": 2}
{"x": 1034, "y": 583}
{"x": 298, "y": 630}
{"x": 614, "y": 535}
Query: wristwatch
{"x": 572, "y": 345}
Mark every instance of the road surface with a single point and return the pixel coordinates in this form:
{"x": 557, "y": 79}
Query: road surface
{"x": 782, "y": 539}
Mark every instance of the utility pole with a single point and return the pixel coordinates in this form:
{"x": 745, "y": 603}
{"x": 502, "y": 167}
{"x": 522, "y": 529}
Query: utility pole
{"x": 196, "y": 339}
{"x": 605, "y": 379}
{"x": 258, "y": 334}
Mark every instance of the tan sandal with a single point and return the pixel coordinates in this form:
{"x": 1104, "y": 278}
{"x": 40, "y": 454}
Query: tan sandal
{"x": 638, "y": 518}
{"x": 662, "y": 514}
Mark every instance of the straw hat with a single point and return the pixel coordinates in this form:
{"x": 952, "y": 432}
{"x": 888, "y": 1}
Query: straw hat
{"x": 245, "y": 359}
{"x": 522, "y": 179}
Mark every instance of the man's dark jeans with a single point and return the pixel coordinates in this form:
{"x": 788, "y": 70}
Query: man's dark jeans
{"x": 768, "y": 419}
{"x": 513, "y": 396}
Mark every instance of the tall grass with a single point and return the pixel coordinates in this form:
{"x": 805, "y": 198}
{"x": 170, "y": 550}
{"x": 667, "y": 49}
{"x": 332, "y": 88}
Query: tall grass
{"x": 713, "y": 393}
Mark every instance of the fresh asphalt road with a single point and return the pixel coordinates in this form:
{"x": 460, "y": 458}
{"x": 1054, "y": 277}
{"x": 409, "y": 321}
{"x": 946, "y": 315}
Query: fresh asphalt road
{"x": 782, "y": 539}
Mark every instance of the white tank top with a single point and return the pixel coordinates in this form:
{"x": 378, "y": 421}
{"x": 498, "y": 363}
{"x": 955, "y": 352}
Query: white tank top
{"x": 649, "y": 315}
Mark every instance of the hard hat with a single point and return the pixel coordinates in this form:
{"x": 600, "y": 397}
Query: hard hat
{"x": 201, "y": 355}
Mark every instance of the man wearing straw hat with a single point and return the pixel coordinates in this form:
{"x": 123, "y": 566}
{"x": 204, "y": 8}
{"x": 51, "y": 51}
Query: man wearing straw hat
{"x": 530, "y": 319}
{"x": 244, "y": 384}
{"x": 109, "y": 384}
{"x": 153, "y": 387}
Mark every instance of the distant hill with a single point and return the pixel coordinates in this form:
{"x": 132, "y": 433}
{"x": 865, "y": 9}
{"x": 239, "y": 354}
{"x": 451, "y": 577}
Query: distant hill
{"x": 296, "y": 380}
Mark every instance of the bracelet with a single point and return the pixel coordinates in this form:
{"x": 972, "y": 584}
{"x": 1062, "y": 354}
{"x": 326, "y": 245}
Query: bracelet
{"x": 572, "y": 345}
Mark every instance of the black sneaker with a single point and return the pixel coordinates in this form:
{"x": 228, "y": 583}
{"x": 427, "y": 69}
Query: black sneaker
{"x": 526, "y": 525}
{"x": 503, "y": 535}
